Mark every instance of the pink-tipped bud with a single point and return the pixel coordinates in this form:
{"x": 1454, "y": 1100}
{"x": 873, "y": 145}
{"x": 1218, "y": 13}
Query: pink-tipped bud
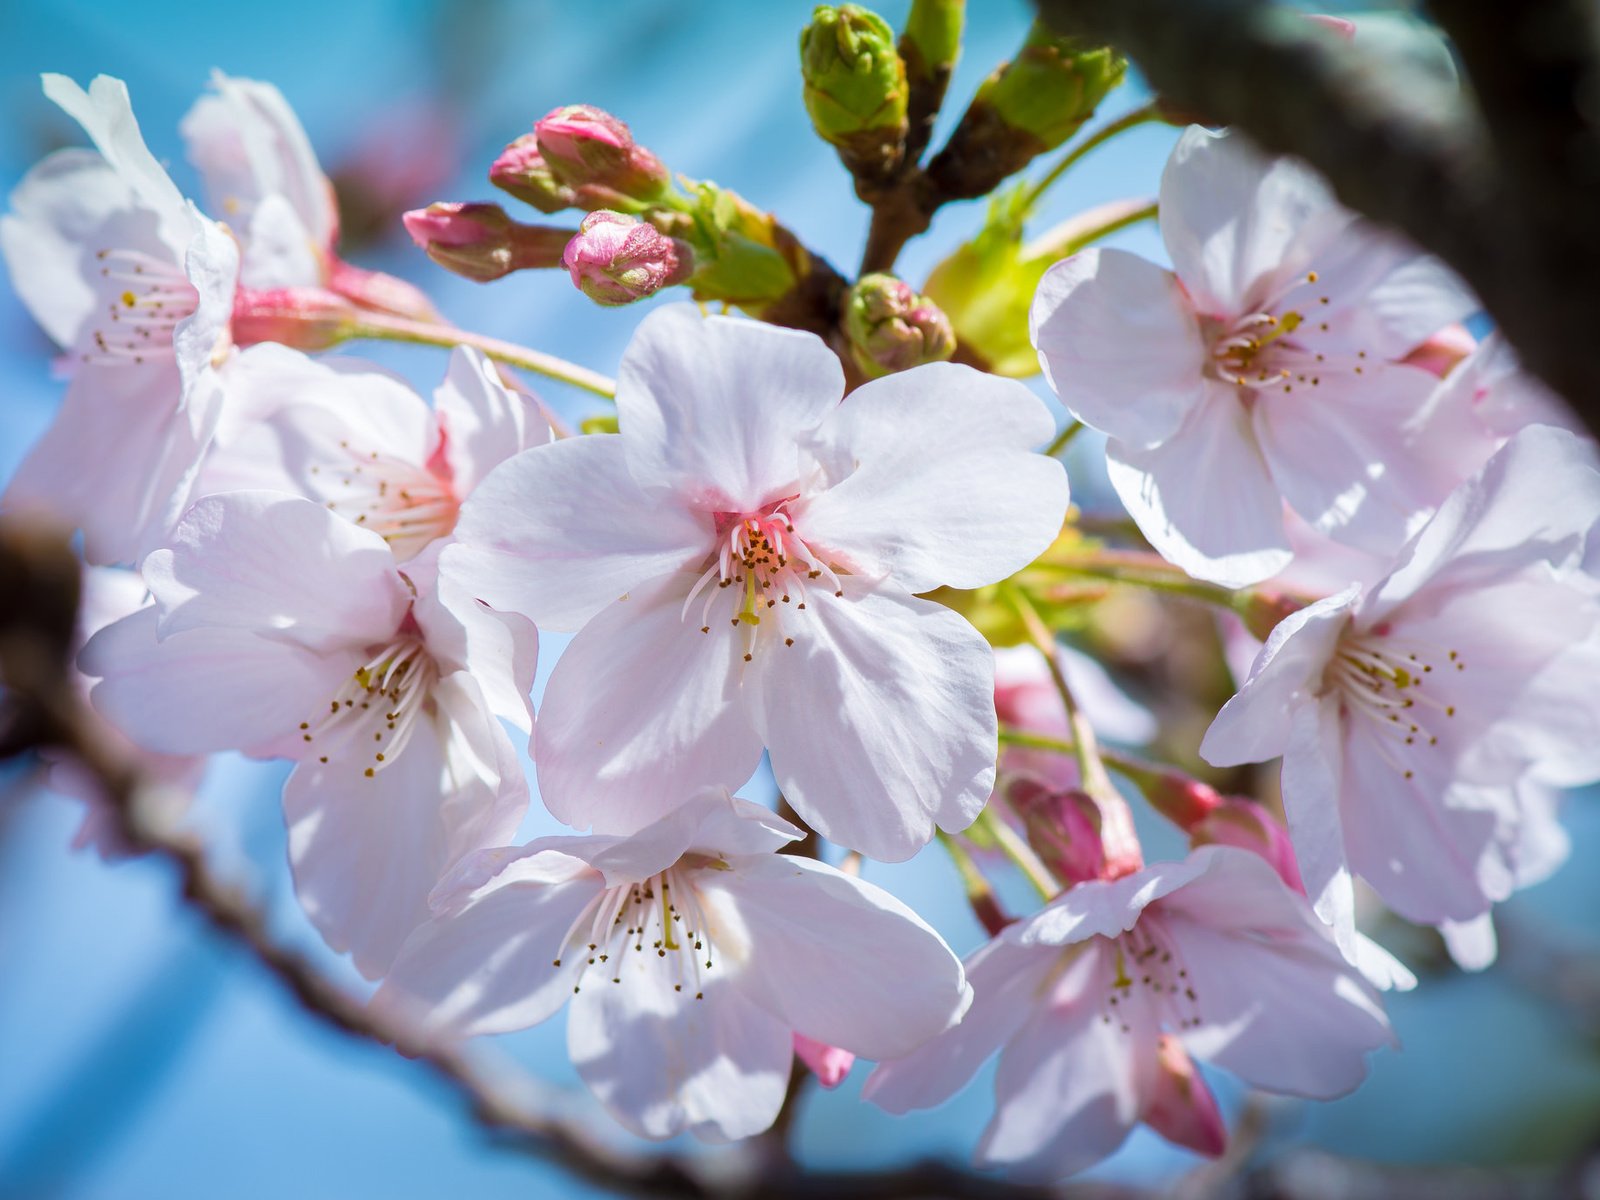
{"x": 1439, "y": 354}
{"x": 615, "y": 259}
{"x": 584, "y": 145}
{"x": 828, "y": 1063}
{"x": 1236, "y": 821}
{"x": 891, "y": 328}
{"x": 480, "y": 242}
{"x": 1062, "y": 826}
{"x": 1182, "y": 1108}
{"x": 522, "y": 171}
{"x": 305, "y": 318}
{"x": 1179, "y": 798}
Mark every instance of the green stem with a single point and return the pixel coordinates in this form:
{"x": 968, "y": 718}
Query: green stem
{"x": 1089, "y": 227}
{"x": 980, "y": 896}
{"x": 1084, "y": 749}
{"x": 1139, "y": 116}
{"x": 1063, "y": 439}
{"x": 400, "y": 329}
{"x": 1124, "y": 764}
{"x": 1014, "y": 847}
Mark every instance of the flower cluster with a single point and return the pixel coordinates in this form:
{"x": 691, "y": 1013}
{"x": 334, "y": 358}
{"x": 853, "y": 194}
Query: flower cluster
{"x": 847, "y": 559}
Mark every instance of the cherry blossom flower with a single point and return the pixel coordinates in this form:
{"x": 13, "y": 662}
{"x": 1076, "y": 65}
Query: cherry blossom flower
{"x": 1410, "y": 716}
{"x": 1096, "y": 1003}
{"x": 282, "y": 630}
{"x": 360, "y": 442}
{"x": 137, "y": 287}
{"x": 1261, "y": 370}
{"x": 692, "y": 956}
{"x": 743, "y": 563}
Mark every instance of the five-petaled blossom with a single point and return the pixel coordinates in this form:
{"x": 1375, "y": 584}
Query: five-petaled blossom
{"x": 1260, "y": 371}
{"x": 691, "y": 954}
{"x": 1097, "y": 1002}
{"x": 282, "y": 630}
{"x": 743, "y": 565}
{"x": 1413, "y": 717}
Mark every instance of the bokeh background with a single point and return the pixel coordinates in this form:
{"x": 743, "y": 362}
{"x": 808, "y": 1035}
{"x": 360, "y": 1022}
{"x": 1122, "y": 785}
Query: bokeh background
{"x": 140, "y": 1057}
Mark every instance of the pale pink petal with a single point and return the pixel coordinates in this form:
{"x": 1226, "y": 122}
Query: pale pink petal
{"x": 712, "y": 408}
{"x": 1205, "y": 497}
{"x": 1103, "y": 908}
{"x": 879, "y": 719}
{"x": 1237, "y": 224}
{"x": 1255, "y": 724}
{"x": 1313, "y": 782}
{"x": 1071, "y": 1084}
{"x": 664, "y": 1063}
{"x": 280, "y": 566}
{"x": 483, "y": 421}
{"x": 708, "y": 821}
{"x": 1120, "y": 344}
{"x": 561, "y": 531}
{"x": 211, "y": 264}
{"x": 210, "y": 689}
{"x": 836, "y": 958}
{"x": 1181, "y": 1107}
{"x": 1472, "y": 944}
{"x": 489, "y": 966}
{"x": 279, "y": 252}
{"x": 987, "y": 509}
{"x": 1007, "y": 982}
{"x": 642, "y": 708}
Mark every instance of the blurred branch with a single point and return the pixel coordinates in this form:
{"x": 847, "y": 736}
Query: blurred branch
{"x": 1504, "y": 190}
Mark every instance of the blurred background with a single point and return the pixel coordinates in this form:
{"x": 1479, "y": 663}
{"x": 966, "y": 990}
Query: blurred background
{"x": 140, "y": 1057}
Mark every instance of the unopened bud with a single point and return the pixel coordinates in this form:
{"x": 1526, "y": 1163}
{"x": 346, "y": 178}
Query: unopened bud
{"x": 1180, "y": 798}
{"x": 304, "y": 318}
{"x": 1181, "y": 1107}
{"x": 828, "y": 1063}
{"x": 522, "y": 171}
{"x": 855, "y": 87}
{"x": 1236, "y": 821}
{"x": 616, "y": 259}
{"x": 480, "y": 242}
{"x": 1062, "y": 826}
{"x": 594, "y": 153}
{"x": 891, "y": 328}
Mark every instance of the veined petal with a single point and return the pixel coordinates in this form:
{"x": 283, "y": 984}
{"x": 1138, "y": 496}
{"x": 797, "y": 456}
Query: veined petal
{"x": 663, "y": 1063}
{"x": 489, "y": 967}
{"x": 560, "y": 531}
{"x": 483, "y": 421}
{"x": 945, "y": 489}
{"x": 712, "y": 408}
{"x": 880, "y": 719}
{"x": 710, "y": 821}
{"x": 836, "y": 958}
{"x": 1120, "y": 344}
{"x": 1205, "y": 497}
{"x": 279, "y": 566}
{"x": 642, "y": 708}
{"x": 1313, "y": 783}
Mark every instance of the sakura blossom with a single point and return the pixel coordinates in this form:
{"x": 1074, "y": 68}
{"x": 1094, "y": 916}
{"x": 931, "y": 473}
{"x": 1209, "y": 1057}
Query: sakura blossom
{"x": 1263, "y": 368}
{"x": 1413, "y": 715}
{"x": 283, "y": 630}
{"x": 694, "y": 959}
{"x": 1097, "y": 1003}
{"x": 742, "y": 566}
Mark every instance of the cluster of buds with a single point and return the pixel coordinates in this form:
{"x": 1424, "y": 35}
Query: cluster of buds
{"x": 891, "y": 328}
{"x": 855, "y": 88}
{"x": 579, "y": 156}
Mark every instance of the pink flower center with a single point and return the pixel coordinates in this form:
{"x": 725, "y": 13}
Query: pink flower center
{"x": 764, "y": 573}
{"x": 1382, "y": 681}
{"x": 405, "y": 504}
{"x": 659, "y": 919}
{"x": 1278, "y": 350}
{"x": 378, "y": 707}
{"x": 142, "y": 300}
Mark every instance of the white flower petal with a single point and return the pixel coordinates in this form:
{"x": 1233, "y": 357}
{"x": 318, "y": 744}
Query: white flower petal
{"x": 1313, "y": 784}
{"x": 1120, "y": 344}
{"x": 483, "y": 421}
{"x": 712, "y": 408}
{"x": 880, "y": 718}
{"x": 963, "y": 503}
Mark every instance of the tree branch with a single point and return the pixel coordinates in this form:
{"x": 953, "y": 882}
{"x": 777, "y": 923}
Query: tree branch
{"x": 1506, "y": 195}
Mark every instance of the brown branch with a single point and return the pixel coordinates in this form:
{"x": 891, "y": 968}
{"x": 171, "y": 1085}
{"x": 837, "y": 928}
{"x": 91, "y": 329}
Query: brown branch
{"x": 1506, "y": 194}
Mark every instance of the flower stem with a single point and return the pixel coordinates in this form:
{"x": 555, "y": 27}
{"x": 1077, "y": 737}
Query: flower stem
{"x": 1014, "y": 847}
{"x": 401, "y": 329}
{"x": 1085, "y": 751}
{"x": 1063, "y": 439}
{"x": 1123, "y": 764}
{"x": 1089, "y": 227}
{"x": 980, "y": 896}
{"x": 1130, "y": 120}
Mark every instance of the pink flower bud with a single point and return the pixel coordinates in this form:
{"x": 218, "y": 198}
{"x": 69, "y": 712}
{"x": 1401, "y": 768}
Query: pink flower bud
{"x": 1440, "y": 353}
{"x": 1062, "y": 826}
{"x": 1182, "y": 1109}
{"x": 480, "y": 242}
{"x": 1182, "y": 800}
{"x": 583, "y": 145}
{"x": 891, "y": 328}
{"x": 615, "y": 259}
{"x": 522, "y": 171}
{"x": 1236, "y": 821}
{"x": 305, "y": 318}
{"x": 828, "y": 1063}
